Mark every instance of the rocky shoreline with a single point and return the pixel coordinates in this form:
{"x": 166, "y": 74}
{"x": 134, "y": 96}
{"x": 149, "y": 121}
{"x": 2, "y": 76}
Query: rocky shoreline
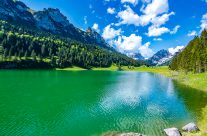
{"x": 189, "y": 128}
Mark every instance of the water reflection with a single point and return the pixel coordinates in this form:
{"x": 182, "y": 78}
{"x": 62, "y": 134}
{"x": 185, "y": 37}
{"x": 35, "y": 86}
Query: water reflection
{"x": 91, "y": 103}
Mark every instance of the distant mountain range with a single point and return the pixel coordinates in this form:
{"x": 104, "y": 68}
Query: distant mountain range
{"x": 162, "y": 57}
{"x": 51, "y": 20}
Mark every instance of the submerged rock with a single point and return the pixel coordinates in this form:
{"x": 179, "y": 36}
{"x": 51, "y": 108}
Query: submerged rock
{"x": 191, "y": 127}
{"x": 172, "y": 132}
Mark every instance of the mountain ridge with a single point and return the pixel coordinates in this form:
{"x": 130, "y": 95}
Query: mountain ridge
{"x": 50, "y": 20}
{"x": 162, "y": 57}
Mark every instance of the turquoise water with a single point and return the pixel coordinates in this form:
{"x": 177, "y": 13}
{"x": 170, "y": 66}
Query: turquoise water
{"x": 90, "y": 103}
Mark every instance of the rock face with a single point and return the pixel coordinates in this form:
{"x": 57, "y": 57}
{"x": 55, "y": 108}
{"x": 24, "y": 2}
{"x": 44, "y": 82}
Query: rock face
{"x": 96, "y": 36}
{"x": 172, "y": 132}
{"x": 15, "y": 11}
{"x": 159, "y": 58}
{"x": 50, "y": 20}
{"x": 191, "y": 127}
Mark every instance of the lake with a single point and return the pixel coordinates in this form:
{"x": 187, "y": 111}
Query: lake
{"x": 90, "y": 103}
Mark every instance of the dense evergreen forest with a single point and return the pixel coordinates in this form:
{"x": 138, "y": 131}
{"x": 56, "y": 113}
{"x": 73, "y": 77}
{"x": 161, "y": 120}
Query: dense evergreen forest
{"x": 194, "y": 57}
{"x": 25, "y": 47}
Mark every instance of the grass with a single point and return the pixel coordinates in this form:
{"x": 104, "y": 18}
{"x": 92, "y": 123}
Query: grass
{"x": 74, "y": 68}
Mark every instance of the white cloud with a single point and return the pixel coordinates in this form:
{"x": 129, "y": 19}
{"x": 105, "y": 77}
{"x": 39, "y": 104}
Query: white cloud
{"x": 110, "y": 33}
{"x": 157, "y": 7}
{"x": 146, "y": 51}
{"x": 204, "y": 22}
{"x": 160, "y": 20}
{"x": 157, "y": 31}
{"x": 85, "y": 20}
{"x": 175, "y": 30}
{"x": 192, "y": 33}
{"x": 134, "y": 2}
{"x": 96, "y": 27}
{"x": 176, "y": 49}
{"x": 129, "y": 17}
{"x": 111, "y": 10}
{"x": 155, "y": 12}
{"x": 157, "y": 39}
{"x": 132, "y": 44}
{"x": 154, "y": 31}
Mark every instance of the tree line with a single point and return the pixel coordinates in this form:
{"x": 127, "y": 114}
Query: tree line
{"x": 18, "y": 43}
{"x": 194, "y": 57}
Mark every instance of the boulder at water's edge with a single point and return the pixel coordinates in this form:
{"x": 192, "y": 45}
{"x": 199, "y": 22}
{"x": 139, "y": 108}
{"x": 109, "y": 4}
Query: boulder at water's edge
{"x": 191, "y": 127}
{"x": 172, "y": 132}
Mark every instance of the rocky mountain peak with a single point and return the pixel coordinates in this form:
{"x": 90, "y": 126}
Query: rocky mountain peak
{"x": 160, "y": 57}
{"x": 16, "y": 11}
{"x": 51, "y": 19}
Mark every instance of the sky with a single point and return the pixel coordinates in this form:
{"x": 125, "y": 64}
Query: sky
{"x": 135, "y": 26}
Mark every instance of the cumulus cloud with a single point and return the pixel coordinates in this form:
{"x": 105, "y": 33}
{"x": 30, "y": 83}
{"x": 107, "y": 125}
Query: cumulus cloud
{"x": 154, "y": 31}
{"x": 110, "y": 33}
{"x": 133, "y": 44}
{"x": 174, "y": 31}
{"x": 156, "y": 13}
{"x": 157, "y": 7}
{"x": 128, "y": 16}
{"x": 157, "y": 31}
{"x": 111, "y": 10}
{"x": 192, "y": 33}
{"x": 134, "y": 2}
{"x": 96, "y": 27}
{"x": 157, "y": 39}
{"x": 176, "y": 49}
{"x": 160, "y": 20}
{"x": 204, "y": 22}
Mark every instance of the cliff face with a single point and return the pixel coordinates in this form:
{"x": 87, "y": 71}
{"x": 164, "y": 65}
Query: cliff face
{"x": 51, "y": 20}
{"x": 15, "y": 11}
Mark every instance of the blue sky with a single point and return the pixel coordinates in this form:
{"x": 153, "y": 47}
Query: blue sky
{"x": 132, "y": 26}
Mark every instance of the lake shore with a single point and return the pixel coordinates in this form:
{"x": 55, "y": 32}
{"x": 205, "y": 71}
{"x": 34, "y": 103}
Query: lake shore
{"x": 196, "y": 81}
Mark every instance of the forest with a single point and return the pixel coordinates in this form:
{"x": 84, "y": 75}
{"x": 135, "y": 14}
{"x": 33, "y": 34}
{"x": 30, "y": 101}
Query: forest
{"x": 26, "y": 47}
{"x": 194, "y": 57}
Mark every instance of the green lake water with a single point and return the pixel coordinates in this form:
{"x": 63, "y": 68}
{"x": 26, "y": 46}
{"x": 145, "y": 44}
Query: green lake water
{"x": 90, "y": 103}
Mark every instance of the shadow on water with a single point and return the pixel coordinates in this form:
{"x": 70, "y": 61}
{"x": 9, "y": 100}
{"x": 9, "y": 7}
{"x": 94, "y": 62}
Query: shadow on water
{"x": 195, "y": 100}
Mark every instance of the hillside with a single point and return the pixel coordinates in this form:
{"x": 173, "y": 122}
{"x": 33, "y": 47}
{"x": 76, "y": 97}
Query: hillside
{"x": 194, "y": 57}
{"x": 49, "y": 20}
{"x": 46, "y": 39}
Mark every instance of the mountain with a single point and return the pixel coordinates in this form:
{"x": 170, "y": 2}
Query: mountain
{"x": 194, "y": 57}
{"x": 49, "y": 20}
{"x": 15, "y": 11}
{"x": 160, "y": 57}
